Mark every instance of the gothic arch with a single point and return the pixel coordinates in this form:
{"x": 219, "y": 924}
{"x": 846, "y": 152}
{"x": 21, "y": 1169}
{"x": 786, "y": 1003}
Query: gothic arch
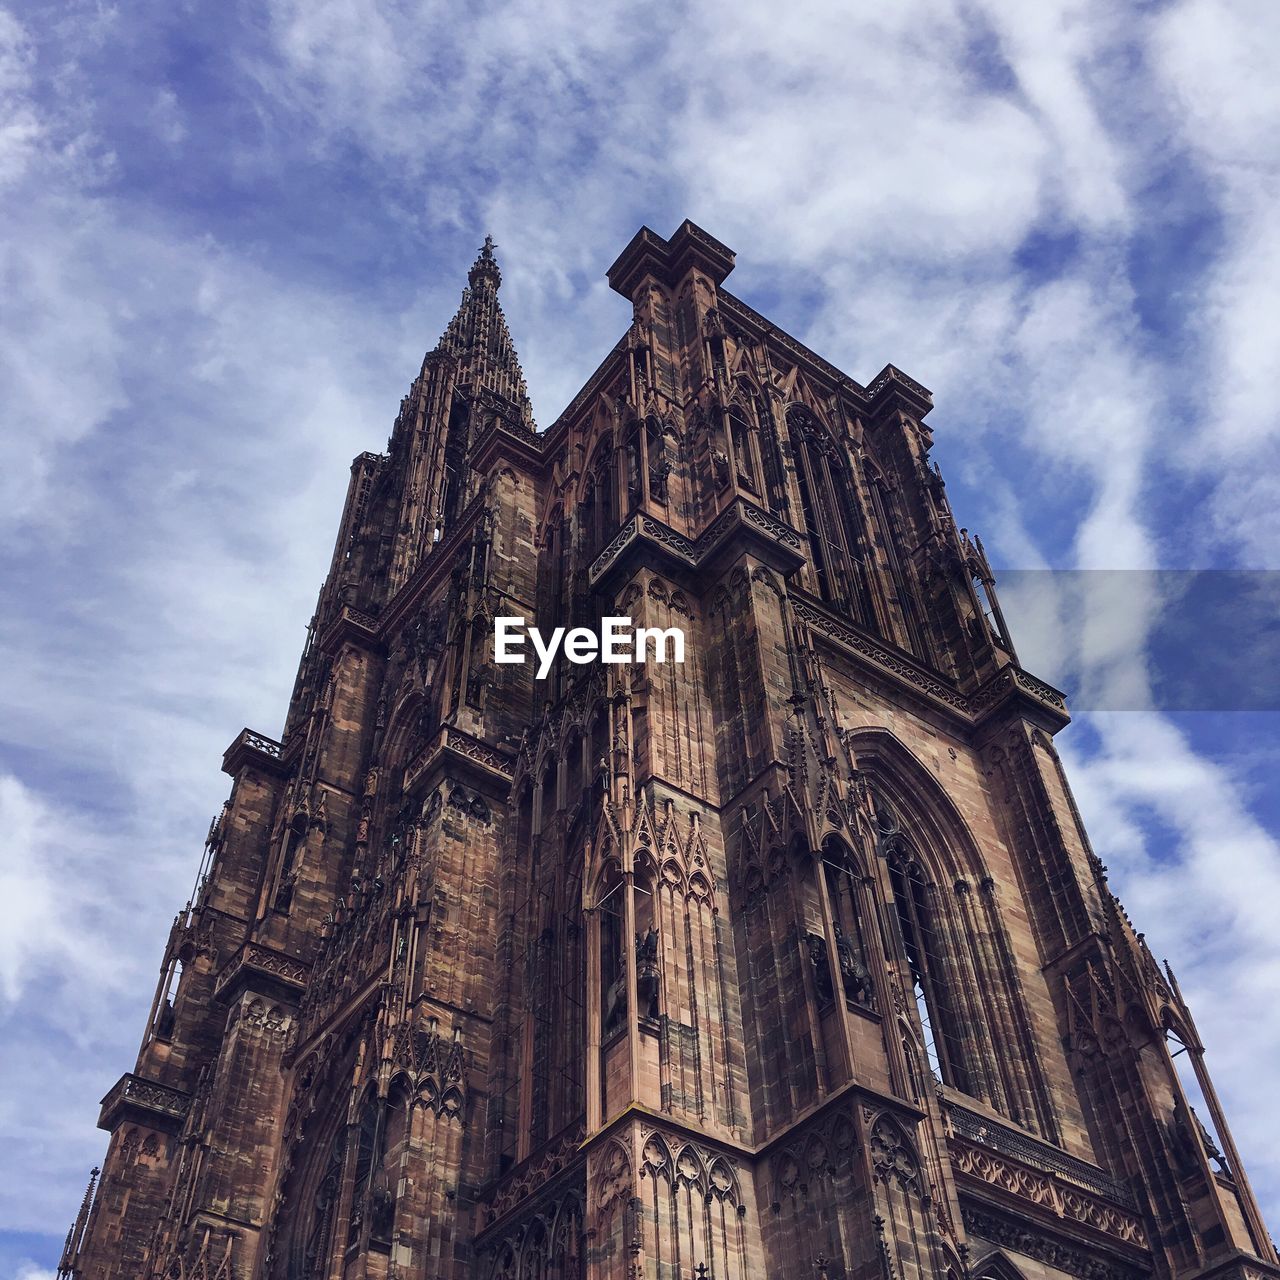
{"x": 832, "y": 516}
{"x": 996, "y": 1266}
{"x": 955, "y": 955}
{"x": 943, "y": 835}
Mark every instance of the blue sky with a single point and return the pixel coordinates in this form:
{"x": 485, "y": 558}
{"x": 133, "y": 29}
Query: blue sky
{"x": 233, "y": 230}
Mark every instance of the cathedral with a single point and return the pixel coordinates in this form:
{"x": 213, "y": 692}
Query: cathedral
{"x": 790, "y": 960}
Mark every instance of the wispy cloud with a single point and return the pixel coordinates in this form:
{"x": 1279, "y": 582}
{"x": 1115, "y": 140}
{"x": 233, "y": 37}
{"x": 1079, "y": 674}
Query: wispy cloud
{"x": 230, "y": 244}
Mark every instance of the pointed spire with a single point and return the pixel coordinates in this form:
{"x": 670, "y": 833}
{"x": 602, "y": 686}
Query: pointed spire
{"x": 75, "y": 1237}
{"x": 478, "y": 338}
{"x": 485, "y": 268}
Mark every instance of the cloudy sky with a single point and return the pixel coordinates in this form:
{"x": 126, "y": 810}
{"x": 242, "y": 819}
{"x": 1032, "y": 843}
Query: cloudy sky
{"x": 233, "y": 229}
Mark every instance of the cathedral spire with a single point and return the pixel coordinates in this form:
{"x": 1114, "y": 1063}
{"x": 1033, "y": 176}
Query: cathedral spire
{"x": 484, "y": 271}
{"x": 478, "y": 338}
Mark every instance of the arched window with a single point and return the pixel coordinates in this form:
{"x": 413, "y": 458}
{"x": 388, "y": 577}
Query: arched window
{"x": 831, "y": 519}
{"x": 313, "y": 1243}
{"x": 553, "y": 564}
{"x": 775, "y": 478}
{"x": 610, "y": 916}
{"x": 550, "y": 792}
{"x": 744, "y": 463}
{"x": 599, "y": 507}
{"x": 844, "y": 894}
{"x": 455, "y": 453}
{"x": 634, "y": 459}
{"x": 890, "y": 540}
{"x": 524, "y": 821}
{"x": 573, "y": 768}
{"x": 930, "y": 980}
{"x": 645, "y": 462}
{"x": 657, "y": 465}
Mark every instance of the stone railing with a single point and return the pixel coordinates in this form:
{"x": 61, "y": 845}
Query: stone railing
{"x": 258, "y": 742}
{"x": 134, "y": 1093}
{"x": 1043, "y": 1156}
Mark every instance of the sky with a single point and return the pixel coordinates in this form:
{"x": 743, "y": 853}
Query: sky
{"x": 232, "y": 230}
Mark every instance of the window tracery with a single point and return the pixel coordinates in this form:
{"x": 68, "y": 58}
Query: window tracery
{"x": 832, "y": 521}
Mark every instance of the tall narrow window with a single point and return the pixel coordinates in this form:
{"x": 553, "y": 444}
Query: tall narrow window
{"x": 586, "y": 518}
{"x": 613, "y": 959}
{"x": 657, "y": 465}
{"x": 889, "y": 537}
{"x": 927, "y": 970}
{"x": 819, "y": 548}
{"x": 832, "y": 519}
{"x": 743, "y": 450}
{"x": 601, "y": 515}
{"x": 573, "y": 769}
{"x": 775, "y": 480}
{"x": 313, "y": 1244}
{"x": 455, "y": 453}
{"x": 634, "y": 466}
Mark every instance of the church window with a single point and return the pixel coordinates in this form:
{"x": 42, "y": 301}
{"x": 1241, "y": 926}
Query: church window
{"x": 599, "y": 513}
{"x": 634, "y": 466}
{"x": 455, "y": 453}
{"x": 743, "y": 448}
{"x": 775, "y": 480}
{"x": 657, "y": 465}
{"x": 927, "y": 970}
{"x": 613, "y": 959}
{"x": 831, "y": 519}
{"x": 313, "y": 1248}
{"x": 882, "y": 506}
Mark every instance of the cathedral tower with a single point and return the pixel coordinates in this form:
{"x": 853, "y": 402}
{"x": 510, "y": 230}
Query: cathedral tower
{"x": 791, "y": 959}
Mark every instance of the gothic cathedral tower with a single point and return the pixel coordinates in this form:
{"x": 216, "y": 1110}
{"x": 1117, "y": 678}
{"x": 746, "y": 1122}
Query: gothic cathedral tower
{"x": 790, "y": 960}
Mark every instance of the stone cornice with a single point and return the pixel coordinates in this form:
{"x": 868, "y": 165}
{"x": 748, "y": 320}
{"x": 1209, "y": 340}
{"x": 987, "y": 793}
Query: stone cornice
{"x": 742, "y": 520}
{"x": 1025, "y": 1188}
{"x": 1057, "y": 1242}
{"x": 349, "y": 626}
{"x": 262, "y": 968}
{"x": 485, "y": 765}
{"x": 1010, "y": 685}
{"x": 970, "y": 1125}
{"x": 254, "y": 750}
{"x": 160, "y": 1106}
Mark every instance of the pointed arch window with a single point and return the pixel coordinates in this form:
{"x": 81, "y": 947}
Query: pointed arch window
{"x": 613, "y": 955}
{"x": 657, "y": 464}
{"x": 775, "y": 476}
{"x": 599, "y": 504}
{"x": 931, "y": 982}
{"x": 832, "y": 521}
{"x": 646, "y": 465}
{"x": 455, "y": 453}
{"x": 740, "y": 436}
{"x": 882, "y": 507}
{"x": 313, "y": 1246}
{"x": 844, "y": 895}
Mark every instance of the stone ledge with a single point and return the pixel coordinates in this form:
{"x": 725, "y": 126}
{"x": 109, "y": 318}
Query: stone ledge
{"x": 253, "y": 750}
{"x": 148, "y": 1101}
{"x": 285, "y": 975}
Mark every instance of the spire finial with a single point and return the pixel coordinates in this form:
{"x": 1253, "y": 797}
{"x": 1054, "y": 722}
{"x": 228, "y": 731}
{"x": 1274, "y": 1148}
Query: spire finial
{"x": 485, "y": 267}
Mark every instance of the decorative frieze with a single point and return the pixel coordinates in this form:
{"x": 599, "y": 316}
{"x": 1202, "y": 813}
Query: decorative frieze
{"x": 1022, "y": 1237}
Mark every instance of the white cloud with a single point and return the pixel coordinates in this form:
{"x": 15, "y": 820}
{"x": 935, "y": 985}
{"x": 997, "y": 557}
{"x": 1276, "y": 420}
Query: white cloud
{"x": 30, "y": 1271}
{"x": 179, "y": 410}
{"x": 1208, "y": 899}
{"x": 1215, "y": 61}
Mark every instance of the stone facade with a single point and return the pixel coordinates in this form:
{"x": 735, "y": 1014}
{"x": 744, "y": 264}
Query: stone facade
{"x": 792, "y": 960}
